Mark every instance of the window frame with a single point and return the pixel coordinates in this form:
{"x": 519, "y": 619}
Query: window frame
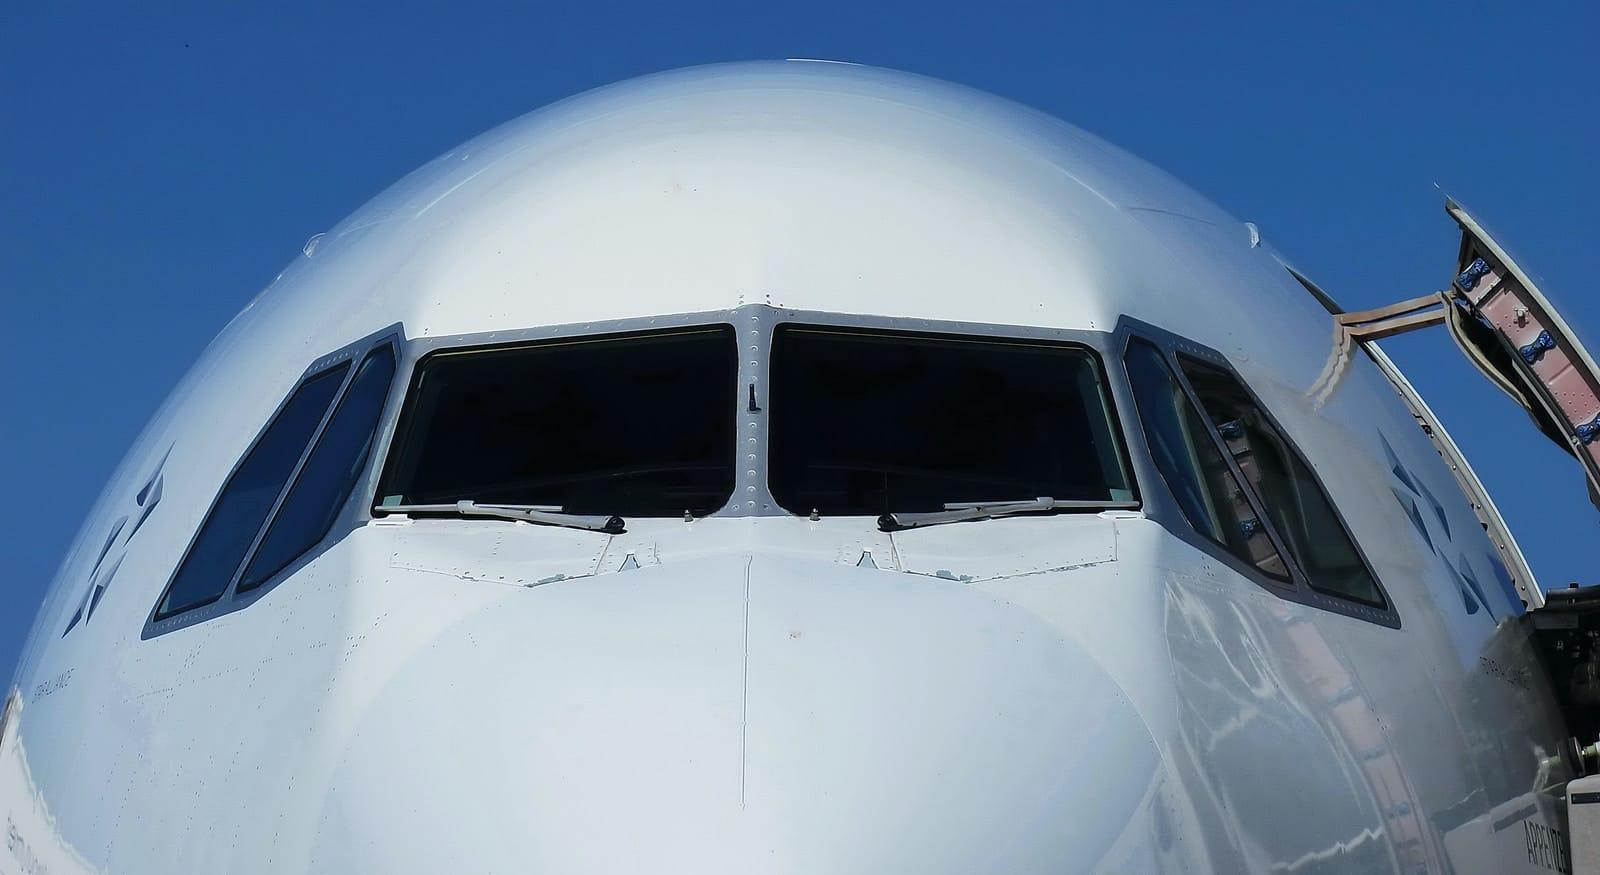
{"x": 1165, "y": 509}
{"x": 231, "y": 598}
{"x": 754, "y": 326}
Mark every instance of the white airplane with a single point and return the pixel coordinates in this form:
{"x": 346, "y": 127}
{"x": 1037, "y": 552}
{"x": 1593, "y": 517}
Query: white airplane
{"x": 802, "y": 467}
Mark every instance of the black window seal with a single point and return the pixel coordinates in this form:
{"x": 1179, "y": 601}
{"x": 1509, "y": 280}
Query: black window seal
{"x": 1165, "y": 511}
{"x": 231, "y": 599}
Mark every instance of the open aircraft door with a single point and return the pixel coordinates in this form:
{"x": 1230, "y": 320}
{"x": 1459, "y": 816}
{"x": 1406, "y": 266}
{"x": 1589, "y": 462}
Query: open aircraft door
{"x": 1515, "y": 336}
{"x": 1508, "y": 329}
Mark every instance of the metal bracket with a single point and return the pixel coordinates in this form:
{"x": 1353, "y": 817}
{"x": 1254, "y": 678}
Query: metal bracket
{"x": 1376, "y": 324}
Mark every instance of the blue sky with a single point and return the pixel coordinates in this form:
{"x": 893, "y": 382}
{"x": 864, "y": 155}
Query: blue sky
{"x": 156, "y": 170}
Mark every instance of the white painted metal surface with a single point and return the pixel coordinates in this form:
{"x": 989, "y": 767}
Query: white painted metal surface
{"x": 1079, "y": 693}
{"x": 1583, "y": 814}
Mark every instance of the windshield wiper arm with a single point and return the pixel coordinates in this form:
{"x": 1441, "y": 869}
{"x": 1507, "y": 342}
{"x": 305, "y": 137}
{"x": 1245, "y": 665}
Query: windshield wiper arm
{"x": 541, "y": 514}
{"x": 962, "y": 511}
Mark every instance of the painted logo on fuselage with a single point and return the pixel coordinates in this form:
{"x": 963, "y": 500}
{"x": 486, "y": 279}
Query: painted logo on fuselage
{"x": 1434, "y": 528}
{"x": 101, "y": 575}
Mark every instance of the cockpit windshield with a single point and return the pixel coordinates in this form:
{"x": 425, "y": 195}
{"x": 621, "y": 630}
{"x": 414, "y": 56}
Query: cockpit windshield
{"x": 880, "y": 422}
{"x": 916, "y": 427}
{"x": 632, "y": 425}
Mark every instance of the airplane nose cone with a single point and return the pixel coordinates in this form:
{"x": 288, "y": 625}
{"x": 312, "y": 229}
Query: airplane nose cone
{"x": 743, "y": 714}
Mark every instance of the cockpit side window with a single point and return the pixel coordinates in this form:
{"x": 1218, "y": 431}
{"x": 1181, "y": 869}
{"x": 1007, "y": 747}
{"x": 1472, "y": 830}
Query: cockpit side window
{"x": 1299, "y": 508}
{"x": 285, "y": 495}
{"x": 329, "y": 474}
{"x": 1195, "y": 471}
{"x": 248, "y": 496}
{"x": 1238, "y": 486}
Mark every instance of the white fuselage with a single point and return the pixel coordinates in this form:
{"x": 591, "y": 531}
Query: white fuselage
{"x": 756, "y": 690}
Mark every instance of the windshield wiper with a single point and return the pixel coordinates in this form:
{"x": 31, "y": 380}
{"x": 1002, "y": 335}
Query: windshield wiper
{"x": 962, "y": 511}
{"x": 541, "y": 514}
